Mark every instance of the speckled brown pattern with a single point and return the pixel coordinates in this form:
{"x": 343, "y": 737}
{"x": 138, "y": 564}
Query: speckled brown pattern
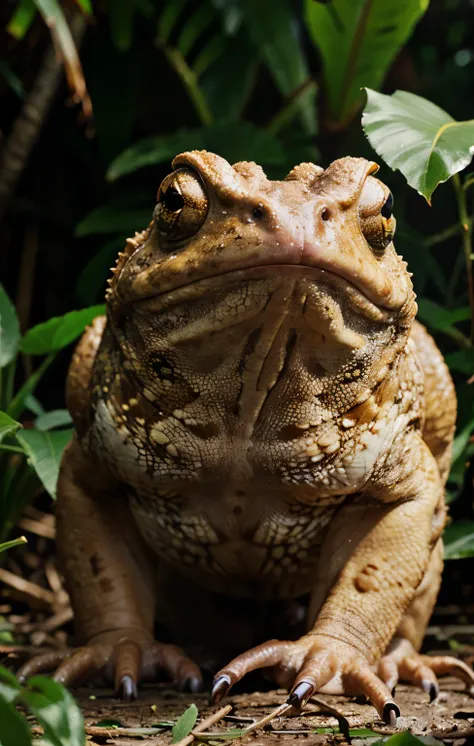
{"x": 262, "y": 420}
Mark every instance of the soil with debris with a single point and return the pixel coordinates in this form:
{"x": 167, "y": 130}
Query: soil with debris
{"x": 452, "y": 716}
{"x": 35, "y": 615}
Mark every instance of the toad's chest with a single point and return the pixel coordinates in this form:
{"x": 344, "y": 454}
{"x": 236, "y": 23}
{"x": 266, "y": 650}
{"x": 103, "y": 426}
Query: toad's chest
{"x": 244, "y": 537}
{"x": 225, "y": 511}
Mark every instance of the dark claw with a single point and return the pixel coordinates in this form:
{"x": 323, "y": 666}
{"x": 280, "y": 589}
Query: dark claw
{"x": 192, "y": 684}
{"x": 220, "y": 688}
{"x": 128, "y": 689}
{"x": 430, "y": 688}
{"x": 300, "y": 694}
{"x": 391, "y": 712}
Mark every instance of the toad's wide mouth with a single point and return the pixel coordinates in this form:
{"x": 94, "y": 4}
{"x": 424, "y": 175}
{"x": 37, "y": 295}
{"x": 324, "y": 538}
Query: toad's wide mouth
{"x": 208, "y": 285}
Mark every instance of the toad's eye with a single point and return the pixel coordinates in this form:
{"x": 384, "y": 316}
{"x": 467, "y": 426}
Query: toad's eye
{"x": 387, "y": 207}
{"x": 375, "y": 215}
{"x": 182, "y": 205}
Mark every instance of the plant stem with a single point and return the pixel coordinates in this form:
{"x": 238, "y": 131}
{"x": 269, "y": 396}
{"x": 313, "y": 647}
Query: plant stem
{"x": 466, "y": 226}
{"x": 454, "y": 279}
{"x": 291, "y": 107}
{"x": 16, "y": 405}
{"x": 13, "y": 543}
{"x": 468, "y": 183}
{"x": 190, "y": 82}
{"x": 450, "y": 232}
{"x": 13, "y": 449}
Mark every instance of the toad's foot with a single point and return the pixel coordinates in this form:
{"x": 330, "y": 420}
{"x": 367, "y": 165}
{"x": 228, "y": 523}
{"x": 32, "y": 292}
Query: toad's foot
{"x": 403, "y": 662}
{"x": 315, "y": 662}
{"x": 124, "y": 656}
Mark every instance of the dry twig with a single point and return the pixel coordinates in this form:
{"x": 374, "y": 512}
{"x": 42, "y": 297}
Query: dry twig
{"x": 26, "y": 587}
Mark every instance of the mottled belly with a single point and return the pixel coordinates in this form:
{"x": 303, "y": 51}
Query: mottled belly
{"x": 278, "y": 558}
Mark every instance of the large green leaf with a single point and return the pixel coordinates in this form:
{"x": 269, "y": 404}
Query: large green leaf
{"x": 459, "y": 540}
{"x": 44, "y": 451}
{"x": 273, "y": 28}
{"x": 8, "y": 426}
{"x": 56, "y": 710}
{"x": 418, "y": 138}
{"x": 9, "y": 329}
{"x": 235, "y": 141}
{"x": 358, "y": 39}
{"x": 59, "y": 331}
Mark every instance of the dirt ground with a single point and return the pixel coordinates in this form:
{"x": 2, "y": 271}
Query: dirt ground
{"x": 452, "y": 715}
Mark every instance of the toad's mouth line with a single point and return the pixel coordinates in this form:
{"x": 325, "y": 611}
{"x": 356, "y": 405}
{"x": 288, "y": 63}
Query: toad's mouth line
{"x": 297, "y": 271}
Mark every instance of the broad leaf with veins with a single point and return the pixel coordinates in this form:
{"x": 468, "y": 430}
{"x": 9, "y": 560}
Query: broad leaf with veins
{"x": 418, "y": 138}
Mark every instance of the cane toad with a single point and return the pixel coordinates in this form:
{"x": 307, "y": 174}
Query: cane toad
{"x": 263, "y": 437}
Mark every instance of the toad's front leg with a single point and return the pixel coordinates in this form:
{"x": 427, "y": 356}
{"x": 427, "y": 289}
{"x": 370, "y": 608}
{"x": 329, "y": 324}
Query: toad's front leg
{"x": 376, "y": 554}
{"x": 111, "y": 582}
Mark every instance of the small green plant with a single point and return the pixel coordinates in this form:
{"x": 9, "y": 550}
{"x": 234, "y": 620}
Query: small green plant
{"x": 51, "y": 705}
{"x": 31, "y": 440}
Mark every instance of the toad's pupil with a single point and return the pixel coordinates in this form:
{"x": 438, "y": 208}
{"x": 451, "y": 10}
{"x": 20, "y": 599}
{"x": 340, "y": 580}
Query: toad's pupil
{"x": 388, "y": 206}
{"x": 172, "y": 200}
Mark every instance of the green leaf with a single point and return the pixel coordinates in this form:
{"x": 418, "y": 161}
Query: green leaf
{"x": 461, "y": 441}
{"x": 234, "y": 141}
{"x": 85, "y": 6}
{"x": 113, "y": 219}
{"x": 58, "y": 332}
{"x": 462, "y": 361}
{"x": 56, "y": 710}
{"x": 55, "y": 418}
{"x": 17, "y": 404}
{"x": 184, "y": 724}
{"x": 357, "y": 40}
{"x": 362, "y": 733}
{"x": 22, "y": 19}
{"x": 8, "y": 425}
{"x": 12, "y": 79}
{"x": 406, "y": 739}
{"x": 9, "y": 678}
{"x": 91, "y": 284}
{"x": 418, "y": 138}
{"x": 13, "y": 729}
{"x": 151, "y": 151}
{"x": 273, "y": 28}
{"x": 35, "y": 406}
{"x": 459, "y": 540}
{"x": 244, "y": 141}
{"x": 441, "y": 318}
{"x": 121, "y": 17}
{"x": 9, "y": 329}
{"x": 44, "y": 451}
{"x": 169, "y": 18}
